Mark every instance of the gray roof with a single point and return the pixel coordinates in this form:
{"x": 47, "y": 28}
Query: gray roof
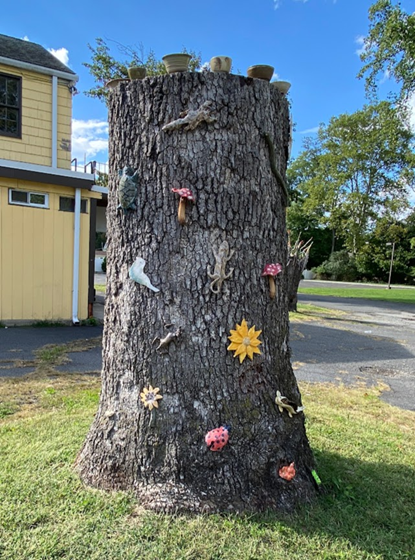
{"x": 31, "y": 53}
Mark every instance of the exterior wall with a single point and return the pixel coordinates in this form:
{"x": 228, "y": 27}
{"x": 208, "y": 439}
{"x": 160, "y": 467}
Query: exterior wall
{"x": 35, "y": 145}
{"x": 64, "y": 125}
{"x": 36, "y": 256}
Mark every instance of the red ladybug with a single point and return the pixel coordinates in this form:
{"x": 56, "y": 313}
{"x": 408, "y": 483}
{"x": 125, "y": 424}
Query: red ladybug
{"x": 217, "y": 439}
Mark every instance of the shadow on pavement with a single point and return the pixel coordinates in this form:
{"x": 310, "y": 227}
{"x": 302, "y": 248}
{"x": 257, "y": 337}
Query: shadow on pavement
{"x": 315, "y": 343}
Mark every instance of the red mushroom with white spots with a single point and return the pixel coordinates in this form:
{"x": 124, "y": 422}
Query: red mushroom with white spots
{"x": 185, "y": 194}
{"x": 271, "y": 270}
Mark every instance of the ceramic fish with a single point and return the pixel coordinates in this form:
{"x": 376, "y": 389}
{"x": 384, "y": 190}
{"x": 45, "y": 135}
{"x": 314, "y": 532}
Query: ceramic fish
{"x": 137, "y": 274}
{"x": 127, "y": 189}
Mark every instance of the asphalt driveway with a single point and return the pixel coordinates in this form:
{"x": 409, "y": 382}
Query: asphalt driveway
{"x": 373, "y": 341}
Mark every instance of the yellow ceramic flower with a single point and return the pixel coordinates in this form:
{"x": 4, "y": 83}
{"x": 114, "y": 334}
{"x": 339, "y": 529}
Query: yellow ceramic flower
{"x": 150, "y": 397}
{"x": 244, "y": 341}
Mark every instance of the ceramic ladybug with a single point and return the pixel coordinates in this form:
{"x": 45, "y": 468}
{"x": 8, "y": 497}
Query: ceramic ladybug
{"x": 217, "y": 439}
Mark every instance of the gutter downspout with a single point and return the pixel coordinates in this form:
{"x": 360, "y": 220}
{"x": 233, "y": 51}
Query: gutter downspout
{"x": 76, "y": 239}
{"x": 54, "y": 122}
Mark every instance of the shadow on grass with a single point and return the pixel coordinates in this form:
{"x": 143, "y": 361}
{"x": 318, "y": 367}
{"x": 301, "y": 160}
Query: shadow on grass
{"x": 369, "y": 505}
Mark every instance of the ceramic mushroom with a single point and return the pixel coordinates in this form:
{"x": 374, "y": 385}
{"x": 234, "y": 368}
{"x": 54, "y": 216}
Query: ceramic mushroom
{"x": 271, "y": 270}
{"x": 185, "y": 194}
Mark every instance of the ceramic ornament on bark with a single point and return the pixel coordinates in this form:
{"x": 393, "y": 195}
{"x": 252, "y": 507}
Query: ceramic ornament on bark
{"x": 244, "y": 341}
{"x": 272, "y": 270}
{"x": 288, "y": 472}
{"x": 185, "y": 194}
{"x": 283, "y": 403}
{"x": 150, "y": 396}
{"x": 127, "y": 189}
{"x": 217, "y": 439}
{"x": 137, "y": 274}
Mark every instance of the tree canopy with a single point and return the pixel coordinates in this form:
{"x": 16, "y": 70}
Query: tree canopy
{"x": 359, "y": 167}
{"x": 389, "y": 47}
{"x": 104, "y": 66}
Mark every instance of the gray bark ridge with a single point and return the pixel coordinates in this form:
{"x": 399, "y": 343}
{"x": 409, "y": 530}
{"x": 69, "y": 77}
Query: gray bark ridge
{"x": 161, "y": 453}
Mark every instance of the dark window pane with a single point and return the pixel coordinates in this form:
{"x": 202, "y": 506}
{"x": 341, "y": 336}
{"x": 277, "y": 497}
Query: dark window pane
{"x": 2, "y": 91}
{"x": 12, "y": 93}
{"x": 11, "y": 127}
{"x": 37, "y": 198}
{"x": 67, "y": 204}
{"x": 19, "y": 196}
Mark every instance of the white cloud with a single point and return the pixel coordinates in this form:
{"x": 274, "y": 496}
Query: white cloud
{"x": 360, "y": 41}
{"x": 310, "y": 130}
{"x": 61, "y": 54}
{"x": 25, "y": 38}
{"x": 275, "y": 76}
{"x": 89, "y": 138}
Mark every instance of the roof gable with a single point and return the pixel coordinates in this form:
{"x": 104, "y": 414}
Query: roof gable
{"x": 31, "y": 53}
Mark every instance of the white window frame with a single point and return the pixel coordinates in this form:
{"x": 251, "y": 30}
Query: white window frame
{"x": 32, "y": 204}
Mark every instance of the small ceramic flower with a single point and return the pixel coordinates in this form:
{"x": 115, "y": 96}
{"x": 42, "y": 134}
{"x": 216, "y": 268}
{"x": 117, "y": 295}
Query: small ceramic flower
{"x": 150, "y": 397}
{"x": 244, "y": 341}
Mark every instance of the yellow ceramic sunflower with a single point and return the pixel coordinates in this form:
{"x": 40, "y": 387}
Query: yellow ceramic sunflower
{"x": 244, "y": 341}
{"x": 150, "y": 397}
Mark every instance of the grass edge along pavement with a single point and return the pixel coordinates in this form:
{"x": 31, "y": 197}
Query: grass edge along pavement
{"x": 365, "y": 453}
{"x": 398, "y": 295}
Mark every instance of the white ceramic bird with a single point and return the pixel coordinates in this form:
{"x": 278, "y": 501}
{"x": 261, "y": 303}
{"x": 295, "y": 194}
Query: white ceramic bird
{"x": 137, "y": 274}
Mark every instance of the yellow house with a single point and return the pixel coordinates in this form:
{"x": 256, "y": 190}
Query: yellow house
{"x": 47, "y": 211}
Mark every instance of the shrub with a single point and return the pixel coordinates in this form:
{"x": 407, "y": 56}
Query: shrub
{"x": 339, "y": 266}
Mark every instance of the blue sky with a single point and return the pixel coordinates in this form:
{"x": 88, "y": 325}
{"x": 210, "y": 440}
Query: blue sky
{"x": 311, "y": 43}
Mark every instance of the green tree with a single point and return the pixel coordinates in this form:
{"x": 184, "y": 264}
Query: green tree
{"x": 389, "y": 48}
{"x": 104, "y": 67}
{"x": 359, "y": 166}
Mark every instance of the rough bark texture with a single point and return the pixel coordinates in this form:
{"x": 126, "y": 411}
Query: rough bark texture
{"x": 162, "y": 455}
{"x": 295, "y": 268}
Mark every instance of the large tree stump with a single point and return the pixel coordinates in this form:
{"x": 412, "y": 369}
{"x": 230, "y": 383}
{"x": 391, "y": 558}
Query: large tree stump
{"x": 215, "y": 146}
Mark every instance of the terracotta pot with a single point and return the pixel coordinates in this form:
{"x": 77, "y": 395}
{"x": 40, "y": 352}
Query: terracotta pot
{"x": 137, "y": 72}
{"x": 282, "y": 86}
{"x": 220, "y": 64}
{"x": 114, "y": 83}
{"x": 176, "y": 62}
{"x": 261, "y": 71}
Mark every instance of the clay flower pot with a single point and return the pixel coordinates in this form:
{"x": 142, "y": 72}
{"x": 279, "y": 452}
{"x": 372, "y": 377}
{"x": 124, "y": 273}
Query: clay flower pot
{"x": 137, "y": 72}
{"x": 176, "y": 62}
{"x": 111, "y": 84}
{"x": 220, "y": 64}
{"x": 282, "y": 86}
{"x": 261, "y": 72}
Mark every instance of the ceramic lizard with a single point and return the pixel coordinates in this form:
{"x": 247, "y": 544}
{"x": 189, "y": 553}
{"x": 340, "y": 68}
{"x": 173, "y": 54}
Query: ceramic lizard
{"x": 191, "y": 119}
{"x": 219, "y": 273}
{"x": 164, "y": 342}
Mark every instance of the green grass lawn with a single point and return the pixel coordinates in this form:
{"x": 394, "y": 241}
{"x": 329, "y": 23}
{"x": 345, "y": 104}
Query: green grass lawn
{"x": 399, "y": 295}
{"x": 365, "y": 452}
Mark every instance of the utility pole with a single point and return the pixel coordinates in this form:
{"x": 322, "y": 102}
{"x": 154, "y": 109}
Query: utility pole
{"x": 391, "y": 265}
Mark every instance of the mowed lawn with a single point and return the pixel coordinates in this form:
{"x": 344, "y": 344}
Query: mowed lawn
{"x": 365, "y": 453}
{"x": 398, "y": 295}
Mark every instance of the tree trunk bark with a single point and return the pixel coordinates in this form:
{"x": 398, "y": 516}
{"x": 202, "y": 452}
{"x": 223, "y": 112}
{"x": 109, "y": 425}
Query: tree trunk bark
{"x": 295, "y": 268}
{"x": 208, "y": 272}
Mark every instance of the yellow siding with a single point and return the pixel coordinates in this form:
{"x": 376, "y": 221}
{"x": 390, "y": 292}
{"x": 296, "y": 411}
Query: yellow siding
{"x": 36, "y": 256}
{"x": 64, "y": 125}
{"x": 35, "y": 146}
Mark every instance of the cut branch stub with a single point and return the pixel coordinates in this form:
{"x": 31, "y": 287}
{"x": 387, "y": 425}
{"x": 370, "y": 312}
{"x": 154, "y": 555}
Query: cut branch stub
{"x": 271, "y": 270}
{"x": 185, "y": 194}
